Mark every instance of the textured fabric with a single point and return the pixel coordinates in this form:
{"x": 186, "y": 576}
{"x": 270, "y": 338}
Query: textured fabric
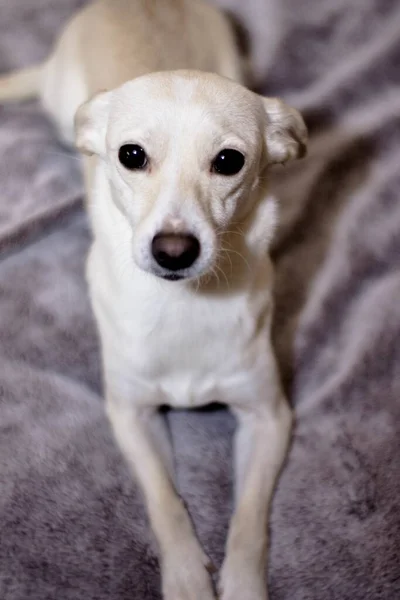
{"x": 72, "y": 522}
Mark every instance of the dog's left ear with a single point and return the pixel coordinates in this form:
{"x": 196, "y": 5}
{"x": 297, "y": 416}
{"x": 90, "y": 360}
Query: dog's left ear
{"x": 91, "y": 121}
{"x": 286, "y": 133}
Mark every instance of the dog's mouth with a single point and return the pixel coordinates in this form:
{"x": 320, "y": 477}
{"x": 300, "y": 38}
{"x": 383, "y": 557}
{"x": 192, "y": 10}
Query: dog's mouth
{"x": 172, "y": 277}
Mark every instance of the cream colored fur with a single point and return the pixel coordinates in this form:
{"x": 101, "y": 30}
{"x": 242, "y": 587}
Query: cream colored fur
{"x": 207, "y": 337}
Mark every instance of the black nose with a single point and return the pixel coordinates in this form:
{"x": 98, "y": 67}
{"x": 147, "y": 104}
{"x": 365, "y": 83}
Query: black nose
{"x": 175, "y": 251}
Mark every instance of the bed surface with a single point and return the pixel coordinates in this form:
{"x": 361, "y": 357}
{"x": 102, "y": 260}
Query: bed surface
{"x": 72, "y": 522}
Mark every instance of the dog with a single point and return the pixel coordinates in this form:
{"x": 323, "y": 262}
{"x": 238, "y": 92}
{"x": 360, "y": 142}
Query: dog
{"x": 176, "y": 155}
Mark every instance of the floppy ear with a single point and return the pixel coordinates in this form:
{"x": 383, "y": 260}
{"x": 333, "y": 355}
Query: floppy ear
{"x": 91, "y": 120}
{"x": 286, "y": 132}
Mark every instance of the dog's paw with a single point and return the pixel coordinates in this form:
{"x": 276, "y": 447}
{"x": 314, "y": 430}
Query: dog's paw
{"x": 241, "y": 582}
{"x": 186, "y": 576}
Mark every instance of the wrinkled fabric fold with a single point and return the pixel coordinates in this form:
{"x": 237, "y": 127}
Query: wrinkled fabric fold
{"x": 72, "y": 521}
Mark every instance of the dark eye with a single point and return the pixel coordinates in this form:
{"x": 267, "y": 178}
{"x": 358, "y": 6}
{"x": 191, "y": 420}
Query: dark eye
{"x": 228, "y": 162}
{"x": 132, "y": 156}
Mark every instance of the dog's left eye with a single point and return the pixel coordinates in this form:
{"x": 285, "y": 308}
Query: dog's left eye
{"x": 132, "y": 157}
{"x": 228, "y": 162}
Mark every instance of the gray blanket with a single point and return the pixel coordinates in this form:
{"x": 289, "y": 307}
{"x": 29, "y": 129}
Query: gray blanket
{"x": 72, "y": 522}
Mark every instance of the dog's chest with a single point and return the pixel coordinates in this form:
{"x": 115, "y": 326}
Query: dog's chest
{"x": 189, "y": 347}
{"x": 185, "y": 345}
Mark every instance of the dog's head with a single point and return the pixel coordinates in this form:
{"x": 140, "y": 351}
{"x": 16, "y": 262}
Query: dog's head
{"x": 184, "y": 153}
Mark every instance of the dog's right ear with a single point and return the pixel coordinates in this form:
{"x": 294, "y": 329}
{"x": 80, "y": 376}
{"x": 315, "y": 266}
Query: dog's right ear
{"x": 91, "y": 121}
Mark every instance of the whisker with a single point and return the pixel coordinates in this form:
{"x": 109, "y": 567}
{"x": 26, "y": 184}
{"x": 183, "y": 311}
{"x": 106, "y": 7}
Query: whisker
{"x": 228, "y": 257}
{"x": 224, "y": 274}
{"x": 197, "y": 280}
{"x": 214, "y": 272}
{"x": 229, "y": 250}
{"x": 229, "y": 232}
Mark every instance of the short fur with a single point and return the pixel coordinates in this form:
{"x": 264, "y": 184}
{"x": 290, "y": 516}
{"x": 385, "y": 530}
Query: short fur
{"x": 206, "y": 337}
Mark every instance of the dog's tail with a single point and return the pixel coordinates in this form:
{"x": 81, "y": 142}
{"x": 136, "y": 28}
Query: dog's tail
{"x": 21, "y": 85}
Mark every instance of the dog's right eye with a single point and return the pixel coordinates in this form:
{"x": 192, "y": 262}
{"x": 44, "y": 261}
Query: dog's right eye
{"x": 132, "y": 157}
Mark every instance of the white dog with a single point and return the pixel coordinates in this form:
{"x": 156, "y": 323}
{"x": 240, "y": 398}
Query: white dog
{"x": 179, "y": 274}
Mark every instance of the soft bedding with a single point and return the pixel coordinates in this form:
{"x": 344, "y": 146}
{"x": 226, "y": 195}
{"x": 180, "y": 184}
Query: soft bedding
{"x": 72, "y": 522}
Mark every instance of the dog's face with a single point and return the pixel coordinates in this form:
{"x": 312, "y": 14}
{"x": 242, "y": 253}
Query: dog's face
{"x": 183, "y": 154}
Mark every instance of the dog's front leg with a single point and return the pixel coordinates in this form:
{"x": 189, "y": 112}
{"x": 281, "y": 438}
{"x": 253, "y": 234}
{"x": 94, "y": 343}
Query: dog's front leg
{"x": 260, "y": 448}
{"x": 142, "y": 437}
